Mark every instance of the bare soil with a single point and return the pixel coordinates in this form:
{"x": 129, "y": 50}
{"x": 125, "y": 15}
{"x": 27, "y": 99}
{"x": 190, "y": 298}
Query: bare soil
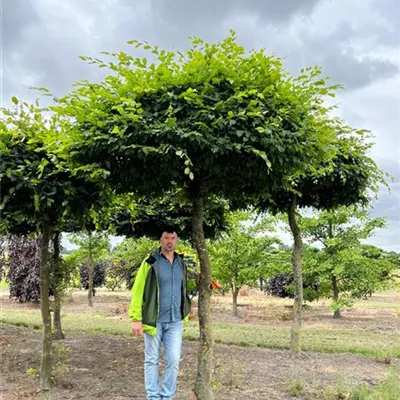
{"x": 111, "y": 367}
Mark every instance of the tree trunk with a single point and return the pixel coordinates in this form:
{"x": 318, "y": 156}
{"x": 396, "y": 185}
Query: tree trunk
{"x": 235, "y": 292}
{"x": 58, "y": 334}
{"x": 335, "y": 290}
{"x": 203, "y": 386}
{"x": 45, "y": 270}
{"x": 295, "y": 333}
{"x": 91, "y": 271}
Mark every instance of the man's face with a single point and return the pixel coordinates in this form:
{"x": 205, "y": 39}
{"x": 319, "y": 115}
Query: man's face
{"x": 169, "y": 241}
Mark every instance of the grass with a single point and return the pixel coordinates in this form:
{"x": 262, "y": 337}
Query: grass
{"x": 295, "y": 388}
{"x": 386, "y": 390}
{"x": 381, "y": 345}
{"x": 389, "y": 389}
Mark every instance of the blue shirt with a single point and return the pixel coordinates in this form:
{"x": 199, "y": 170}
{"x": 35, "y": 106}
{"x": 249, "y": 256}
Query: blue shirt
{"x": 170, "y": 289}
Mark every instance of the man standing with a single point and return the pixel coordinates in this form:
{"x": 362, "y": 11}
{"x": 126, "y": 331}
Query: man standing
{"x": 159, "y": 304}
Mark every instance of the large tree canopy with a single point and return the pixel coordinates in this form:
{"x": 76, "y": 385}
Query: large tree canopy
{"x": 236, "y": 122}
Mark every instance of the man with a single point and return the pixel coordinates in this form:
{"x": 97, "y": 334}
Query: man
{"x": 159, "y": 304}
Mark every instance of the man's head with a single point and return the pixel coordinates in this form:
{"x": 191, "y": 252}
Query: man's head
{"x": 169, "y": 240}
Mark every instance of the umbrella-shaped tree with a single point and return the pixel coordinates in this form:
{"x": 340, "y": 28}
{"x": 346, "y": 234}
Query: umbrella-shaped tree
{"x": 350, "y": 178}
{"x": 214, "y": 121}
{"x": 41, "y": 189}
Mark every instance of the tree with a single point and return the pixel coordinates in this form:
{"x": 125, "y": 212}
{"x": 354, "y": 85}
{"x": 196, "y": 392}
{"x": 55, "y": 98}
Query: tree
{"x": 3, "y": 257}
{"x": 240, "y": 257}
{"x": 213, "y": 122}
{"x": 23, "y": 265}
{"x": 349, "y": 178}
{"x": 40, "y": 189}
{"x": 130, "y": 253}
{"x": 98, "y": 275}
{"x": 60, "y": 280}
{"x": 351, "y": 268}
{"x": 93, "y": 248}
{"x": 282, "y": 283}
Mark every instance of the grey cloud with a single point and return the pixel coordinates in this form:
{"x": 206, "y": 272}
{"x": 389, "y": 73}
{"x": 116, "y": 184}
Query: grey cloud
{"x": 18, "y": 16}
{"x": 338, "y": 59}
{"x": 48, "y": 51}
{"x": 172, "y": 22}
{"x": 208, "y": 11}
{"x": 388, "y": 205}
{"x": 389, "y": 12}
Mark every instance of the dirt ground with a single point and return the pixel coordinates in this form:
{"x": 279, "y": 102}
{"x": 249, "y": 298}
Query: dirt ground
{"x": 111, "y": 367}
{"x": 107, "y": 367}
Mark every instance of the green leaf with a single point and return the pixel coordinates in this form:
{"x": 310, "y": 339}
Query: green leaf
{"x": 115, "y": 129}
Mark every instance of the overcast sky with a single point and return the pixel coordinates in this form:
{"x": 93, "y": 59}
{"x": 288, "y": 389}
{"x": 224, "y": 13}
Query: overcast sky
{"x": 357, "y": 42}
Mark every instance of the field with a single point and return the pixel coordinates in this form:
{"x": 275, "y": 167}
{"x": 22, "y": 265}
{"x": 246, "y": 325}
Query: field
{"x": 357, "y": 357}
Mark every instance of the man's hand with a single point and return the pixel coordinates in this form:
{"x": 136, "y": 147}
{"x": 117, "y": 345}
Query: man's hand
{"x": 137, "y": 328}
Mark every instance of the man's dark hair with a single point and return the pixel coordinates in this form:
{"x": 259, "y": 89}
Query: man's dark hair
{"x": 168, "y": 229}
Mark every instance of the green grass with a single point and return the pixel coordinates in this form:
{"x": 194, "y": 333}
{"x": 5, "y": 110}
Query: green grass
{"x": 388, "y": 389}
{"x": 381, "y": 345}
{"x": 4, "y": 286}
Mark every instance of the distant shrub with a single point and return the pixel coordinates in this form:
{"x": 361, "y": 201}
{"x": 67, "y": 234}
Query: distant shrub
{"x": 23, "y": 265}
{"x": 99, "y": 275}
{"x": 282, "y": 285}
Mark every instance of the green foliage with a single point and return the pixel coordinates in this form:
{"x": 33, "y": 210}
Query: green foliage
{"x": 60, "y": 362}
{"x": 115, "y": 274}
{"x": 355, "y": 268}
{"x": 98, "y": 246}
{"x": 98, "y": 243}
{"x": 39, "y": 184}
{"x": 151, "y": 215}
{"x": 217, "y": 116}
{"x": 389, "y": 389}
{"x": 295, "y": 388}
{"x": 32, "y": 372}
{"x": 128, "y": 256}
{"x": 241, "y": 256}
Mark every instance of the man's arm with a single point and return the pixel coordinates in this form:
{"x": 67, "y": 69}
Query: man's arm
{"x": 135, "y": 308}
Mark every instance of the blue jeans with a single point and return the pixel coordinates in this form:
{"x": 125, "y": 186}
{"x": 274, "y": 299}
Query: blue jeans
{"x": 170, "y": 334}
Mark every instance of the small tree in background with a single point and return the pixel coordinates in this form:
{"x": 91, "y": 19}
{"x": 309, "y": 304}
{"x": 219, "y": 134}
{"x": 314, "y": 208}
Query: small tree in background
{"x": 282, "y": 284}
{"x": 129, "y": 254}
{"x": 240, "y": 256}
{"x": 99, "y": 275}
{"x": 351, "y": 269}
{"x": 93, "y": 248}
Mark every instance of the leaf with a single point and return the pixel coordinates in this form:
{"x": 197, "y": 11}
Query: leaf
{"x": 14, "y": 100}
{"x": 115, "y": 129}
